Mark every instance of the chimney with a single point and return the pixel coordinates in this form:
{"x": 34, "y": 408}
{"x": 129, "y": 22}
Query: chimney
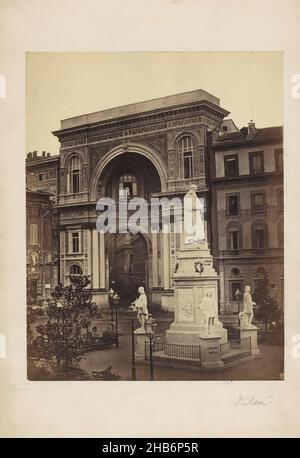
{"x": 29, "y": 156}
{"x": 251, "y": 128}
{"x": 34, "y": 154}
{"x": 48, "y": 154}
{"x": 44, "y": 153}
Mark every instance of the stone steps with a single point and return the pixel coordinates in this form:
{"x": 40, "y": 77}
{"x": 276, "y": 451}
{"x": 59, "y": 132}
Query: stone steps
{"x": 235, "y": 355}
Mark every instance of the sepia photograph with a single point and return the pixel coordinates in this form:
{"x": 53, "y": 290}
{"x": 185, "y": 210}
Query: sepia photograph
{"x": 155, "y": 216}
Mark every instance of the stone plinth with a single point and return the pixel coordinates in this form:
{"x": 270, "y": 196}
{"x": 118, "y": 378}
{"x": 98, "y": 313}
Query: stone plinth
{"x": 211, "y": 352}
{"x": 250, "y": 332}
{"x": 139, "y": 345}
{"x": 194, "y": 279}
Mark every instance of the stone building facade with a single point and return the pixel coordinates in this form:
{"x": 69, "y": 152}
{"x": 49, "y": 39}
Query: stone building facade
{"x": 41, "y": 241}
{"x": 153, "y": 148}
{"x": 156, "y": 148}
{"x": 247, "y": 211}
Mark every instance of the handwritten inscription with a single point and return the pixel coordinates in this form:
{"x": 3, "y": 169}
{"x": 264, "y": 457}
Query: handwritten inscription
{"x": 251, "y": 401}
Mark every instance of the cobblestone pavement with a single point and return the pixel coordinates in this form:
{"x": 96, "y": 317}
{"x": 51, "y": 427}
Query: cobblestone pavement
{"x": 268, "y": 367}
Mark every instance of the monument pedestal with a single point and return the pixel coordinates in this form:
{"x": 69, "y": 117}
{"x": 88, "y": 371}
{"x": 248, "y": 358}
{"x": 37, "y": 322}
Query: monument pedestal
{"x": 211, "y": 352}
{"x": 196, "y": 283}
{"x": 139, "y": 345}
{"x": 250, "y": 332}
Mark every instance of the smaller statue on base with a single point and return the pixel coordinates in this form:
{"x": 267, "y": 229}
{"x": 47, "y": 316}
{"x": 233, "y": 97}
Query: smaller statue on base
{"x": 246, "y": 315}
{"x": 140, "y": 306}
{"x": 208, "y": 308}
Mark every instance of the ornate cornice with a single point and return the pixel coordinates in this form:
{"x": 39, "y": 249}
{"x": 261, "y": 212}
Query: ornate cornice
{"x": 204, "y": 113}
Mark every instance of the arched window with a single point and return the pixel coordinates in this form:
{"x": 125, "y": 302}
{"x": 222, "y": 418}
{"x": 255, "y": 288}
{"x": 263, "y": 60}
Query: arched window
{"x": 128, "y": 186}
{"x": 235, "y": 271}
{"x": 261, "y": 272}
{"x": 259, "y": 235}
{"x": 280, "y": 234}
{"x": 73, "y": 176}
{"x": 234, "y": 237}
{"x": 186, "y": 149}
{"x": 75, "y": 269}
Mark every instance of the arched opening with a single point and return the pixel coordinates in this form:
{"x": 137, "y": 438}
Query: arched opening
{"x": 259, "y": 235}
{"x": 75, "y": 270}
{"x": 128, "y": 256}
{"x": 234, "y": 237}
{"x": 129, "y": 171}
{"x": 73, "y": 174}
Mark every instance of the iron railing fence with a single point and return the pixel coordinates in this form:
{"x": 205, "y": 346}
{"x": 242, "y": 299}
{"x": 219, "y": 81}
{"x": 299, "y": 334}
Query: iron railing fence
{"x": 173, "y": 354}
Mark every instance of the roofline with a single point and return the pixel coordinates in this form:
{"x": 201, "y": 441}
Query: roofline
{"x": 39, "y": 160}
{"x": 249, "y": 141}
{"x": 142, "y": 114}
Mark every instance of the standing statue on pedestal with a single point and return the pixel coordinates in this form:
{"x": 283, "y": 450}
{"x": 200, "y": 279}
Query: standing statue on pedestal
{"x": 194, "y": 232}
{"x": 246, "y": 315}
{"x": 140, "y": 305}
{"x": 208, "y": 308}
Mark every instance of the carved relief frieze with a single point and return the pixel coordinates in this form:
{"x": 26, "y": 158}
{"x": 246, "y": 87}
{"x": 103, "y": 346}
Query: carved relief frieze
{"x": 143, "y": 125}
{"x": 74, "y": 214}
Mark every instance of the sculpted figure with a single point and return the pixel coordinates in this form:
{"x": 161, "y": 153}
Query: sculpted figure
{"x": 246, "y": 315}
{"x": 209, "y": 311}
{"x": 194, "y": 232}
{"x": 140, "y": 305}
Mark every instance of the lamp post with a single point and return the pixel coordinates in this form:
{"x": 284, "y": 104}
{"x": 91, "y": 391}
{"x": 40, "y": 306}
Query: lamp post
{"x": 149, "y": 330}
{"x": 116, "y": 300}
{"x": 133, "y": 368}
{"x": 111, "y": 295}
{"x": 237, "y": 295}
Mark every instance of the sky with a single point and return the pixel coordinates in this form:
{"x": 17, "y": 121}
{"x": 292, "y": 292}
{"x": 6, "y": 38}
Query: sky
{"x": 63, "y": 85}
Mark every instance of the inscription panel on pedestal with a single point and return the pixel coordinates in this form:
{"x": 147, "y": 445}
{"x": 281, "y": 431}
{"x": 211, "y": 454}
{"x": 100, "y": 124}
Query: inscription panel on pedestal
{"x": 185, "y": 311}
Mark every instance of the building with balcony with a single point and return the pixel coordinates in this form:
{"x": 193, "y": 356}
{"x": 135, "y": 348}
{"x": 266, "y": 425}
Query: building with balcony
{"x": 246, "y": 184}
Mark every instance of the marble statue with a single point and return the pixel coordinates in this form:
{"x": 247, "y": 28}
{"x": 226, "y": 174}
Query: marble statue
{"x": 194, "y": 232}
{"x": 140, "y": 306}
{"x": 246, "y": 315}
{"x": 208, "y": 308}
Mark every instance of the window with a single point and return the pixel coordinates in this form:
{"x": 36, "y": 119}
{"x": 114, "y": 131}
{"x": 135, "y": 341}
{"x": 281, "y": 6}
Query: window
{"x": 236, "y": 286}
{"x": 259, "y": 235}
{"x": 279, "y": 159}
{"x": 73, "y": 177}
{"x": 256, "y": 162}
{"x": 234, "y": 237}
{"x": 128, "y": 186}
{"x": 41, "y": 177}
{"x": 231, "y": 165}
{"x": 235, "y": 271}
{"x": 186, "y": 149}
{"x": 75, "y": 270}
{"x": 280, "y": 234}
{"x": 258, "y": 201}
{"x": 33, "y": 234}
{"x": 52, "y": 174}
{"x": 233, "y": 204}
{"x": 280, "y": 200}
{"x": 75, "y": 242}
{"x": 52, "y": 188}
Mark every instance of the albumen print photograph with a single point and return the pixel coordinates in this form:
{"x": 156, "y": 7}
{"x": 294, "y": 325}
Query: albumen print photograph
{"x": 154, "y": 216}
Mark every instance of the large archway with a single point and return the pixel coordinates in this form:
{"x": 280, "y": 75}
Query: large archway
{"x": 153, "y": 159}
{"x": 128, "y": 255}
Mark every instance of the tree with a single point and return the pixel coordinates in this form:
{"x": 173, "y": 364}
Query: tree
{"x": 267, "y": 308}
{"x": 62, "y": 339}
